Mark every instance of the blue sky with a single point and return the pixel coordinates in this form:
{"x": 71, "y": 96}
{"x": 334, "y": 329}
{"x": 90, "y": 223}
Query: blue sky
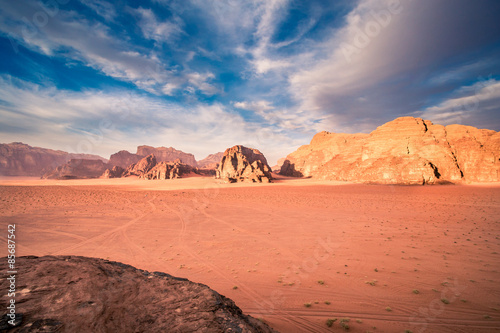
{"x": 93, "y": 76}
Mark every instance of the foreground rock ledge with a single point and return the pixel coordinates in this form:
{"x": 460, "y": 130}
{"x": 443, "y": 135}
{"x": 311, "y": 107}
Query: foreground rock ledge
{"x": 79, "y": 294}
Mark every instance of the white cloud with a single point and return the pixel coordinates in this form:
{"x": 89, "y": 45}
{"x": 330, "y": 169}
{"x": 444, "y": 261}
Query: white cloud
{"x": 471, "y": 100}
{"x": 102, "y": 8}
{"x": 201, "y": 82}
{"x": 156, "y": 30}
{"x": 98, "y": 122}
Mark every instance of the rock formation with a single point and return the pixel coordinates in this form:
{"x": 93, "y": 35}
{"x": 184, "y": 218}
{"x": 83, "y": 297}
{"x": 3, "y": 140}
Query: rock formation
{"x": 277, "y": 168}
{"x": 78, "y": 294}
{"x": 114, "y": 172}
{"x": 165, "y": 170}
{"x": 211, "y": 161}
{"x": 142, "y": 167}
{"x": 19, "y": 159}
{"x": 123, "y": 159}
{"x": 77, "y": 169}
{"x": 406, "y": 150}
{"x": 241, "y": 164}
{"x": 149, "y": 168}
{"x": 164, "y": 154}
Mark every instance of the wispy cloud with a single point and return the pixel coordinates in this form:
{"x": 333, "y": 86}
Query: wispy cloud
{"x": 101, "y": 122}
{"x": 102, "y": 8}
{"x": 470, "y": 101}
{"x": 160, "y": 31}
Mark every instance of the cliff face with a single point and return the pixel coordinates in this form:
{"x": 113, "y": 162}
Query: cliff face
{"x": 406, "y": 150}
{"x": 170, "y": 154}
{"x": 123, "y": 159}
{"x": 242, "y": 164}
{"x": 19, "y": 159}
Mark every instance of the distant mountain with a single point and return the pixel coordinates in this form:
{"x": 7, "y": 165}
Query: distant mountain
{"x": 406, "y": 150}
{"x": 78, "y": 169}
{"x": 19, "y": 159}
{"x": 211, "y": 161}
{"x": 162, "y": 154}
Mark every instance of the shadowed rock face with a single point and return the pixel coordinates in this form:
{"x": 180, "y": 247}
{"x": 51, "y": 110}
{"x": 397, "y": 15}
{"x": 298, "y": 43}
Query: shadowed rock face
{"x": 19, "y": 159}
{"x": 241, "y": 164}
{"x": 406, "y": 150}
{"x": 141, "y": 167}
{"x": 78, "y": 168}
{"x": 114, "y": 172}
{"x": 78, "y": 294}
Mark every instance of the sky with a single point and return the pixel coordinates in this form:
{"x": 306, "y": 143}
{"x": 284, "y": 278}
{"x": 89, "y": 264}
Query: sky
{"x": 96, "y": 77}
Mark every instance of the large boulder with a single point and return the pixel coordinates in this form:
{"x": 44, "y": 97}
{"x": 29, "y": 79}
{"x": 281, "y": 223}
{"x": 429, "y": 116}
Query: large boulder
{"x": 78, "y": 169}
{"x": 78, "y": 294}
{"x": 406, "y": 150}
{"x": 241, "y": 164}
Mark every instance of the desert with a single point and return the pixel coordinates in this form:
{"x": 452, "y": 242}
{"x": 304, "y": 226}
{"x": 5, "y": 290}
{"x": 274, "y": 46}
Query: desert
{"x": 249, "y": 166}
{"x": 293, "y": 253}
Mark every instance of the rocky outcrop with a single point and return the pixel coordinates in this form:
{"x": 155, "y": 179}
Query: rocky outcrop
{"x": 123, "y": 159}
{"x": 277, "y": 168}
{"x": 166, "y": 170}
{"x": 406, "y": 150}
{"x": 164, "y": 154}
{"x": 78, "y": 169}
{"x": 142, "y": 167}
{"x": 19, "y": 159}
{"x": 114, "y": 172}
{"x": 79, "y": 294}
{"x": 241, "y": 164}
{"x": 149, "y": 168}
{"x": 211, "y": 161}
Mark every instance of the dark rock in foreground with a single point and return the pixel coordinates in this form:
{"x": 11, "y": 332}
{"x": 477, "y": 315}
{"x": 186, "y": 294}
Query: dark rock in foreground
{"x": 79, "y": 294}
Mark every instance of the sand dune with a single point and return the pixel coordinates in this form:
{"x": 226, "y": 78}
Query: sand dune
{"x": 299, "y": 251}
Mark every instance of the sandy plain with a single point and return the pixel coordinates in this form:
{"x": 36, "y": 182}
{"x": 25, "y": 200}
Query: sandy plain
{"x": 293, "y": 253}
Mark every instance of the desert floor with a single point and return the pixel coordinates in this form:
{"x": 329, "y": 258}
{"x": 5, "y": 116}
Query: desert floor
{"x": 294, "y": 253}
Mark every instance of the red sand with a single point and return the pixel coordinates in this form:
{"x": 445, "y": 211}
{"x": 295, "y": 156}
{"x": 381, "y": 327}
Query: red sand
{"x": 277, "y": 242}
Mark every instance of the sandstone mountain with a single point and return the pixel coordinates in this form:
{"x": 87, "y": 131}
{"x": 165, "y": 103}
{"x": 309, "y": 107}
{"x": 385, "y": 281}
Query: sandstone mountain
{"x": 406, "y": 150}
{"x": 170, "y": 154}
{"x": 123, "y": 159}
{"x": 149, "y": 168}
{"x": 241, "y": 164}
{"x": 211, "y": 161}
{"x": 77, "y": 169}
{"x": 141, "y": 167}
{"x": 19, "y": 159}
{"x": 78, "y": 294}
